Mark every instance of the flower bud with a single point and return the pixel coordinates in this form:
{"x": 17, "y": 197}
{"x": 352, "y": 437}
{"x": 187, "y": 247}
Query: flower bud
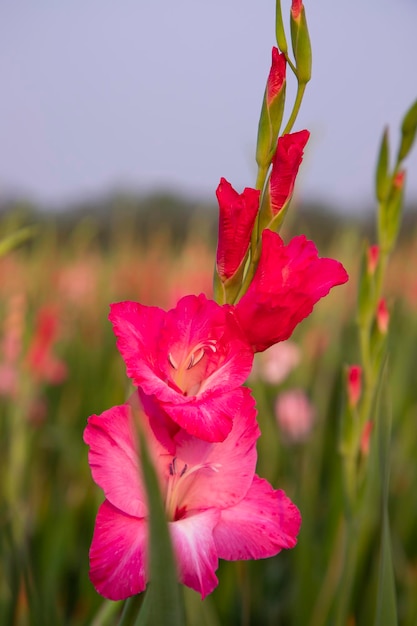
{"x": 279, "y": 189}
{"x": 354, "y": 385}
{"x": 382, "y": 317}
{"x": 300, "y": 39}
{"x": 373, "y": 257}
{"x": 408, "y": 131}
{"x": 272, "y": 109}
{"x": 237, "y": 214}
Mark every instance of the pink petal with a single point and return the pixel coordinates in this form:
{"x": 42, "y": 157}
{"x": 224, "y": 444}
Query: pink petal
{"x": 285, "y": 165}
{"x": 259, "y": 526}
{"x": 191, "y": 360}
{"x": 118, "y": 554}
{"x": 227, "y": 468}
{"x": 192, "y": 538}
{"x": 113, "y": 456}
{"x": 276, "y": 76}
{"x": 236, "y": 219}
{"x": 288, "y": 282}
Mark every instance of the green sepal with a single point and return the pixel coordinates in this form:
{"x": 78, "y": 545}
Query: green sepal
{"x": 382, "y": 178}
{"x": 266, "y": 217}
{"x": 279, "y": 29}
{"x": 408, "y": 132}
{"x": 226, "y": 291}
{"x": 268, "y": 128}
{"x": 301, "y": 46}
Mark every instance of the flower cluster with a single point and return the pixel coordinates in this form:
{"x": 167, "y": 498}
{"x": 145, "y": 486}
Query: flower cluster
{"x": 188, "y": 366}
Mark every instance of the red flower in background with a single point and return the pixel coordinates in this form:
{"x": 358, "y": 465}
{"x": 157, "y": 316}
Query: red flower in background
{"x": 236, "y": 219}
{"x": 288, "y": 282}
{"x": 40, "y": 358}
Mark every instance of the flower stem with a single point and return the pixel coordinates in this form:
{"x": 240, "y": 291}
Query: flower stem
{"x": 297, "y": 104}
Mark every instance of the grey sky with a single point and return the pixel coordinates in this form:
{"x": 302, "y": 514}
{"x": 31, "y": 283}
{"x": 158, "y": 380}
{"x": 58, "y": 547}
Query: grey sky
{"x": 99, "y": 95}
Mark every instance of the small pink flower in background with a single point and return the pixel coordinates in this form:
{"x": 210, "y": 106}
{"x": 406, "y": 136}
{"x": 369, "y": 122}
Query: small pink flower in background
{"x": 276, "y": 78}
{"x": 382, "y": 316}
{"x": 44, "y": 365}
{"x": 215, "y": 504}
{"x": 285, "y": 165}
{"x": 373, "y": 257}
{"x": 192, "y": 359}
{"x": 277, "y": 362}
{"x": 354, "y": 385}
{"x": 288, "y": 282}
{"x": 295, "y": 415}
{"x": 236, "y": 219}
{"x": 366, "y": 437}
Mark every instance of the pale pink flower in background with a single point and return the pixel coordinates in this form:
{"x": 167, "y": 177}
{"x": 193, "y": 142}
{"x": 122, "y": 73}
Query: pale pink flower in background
{"x": 277, "y": 362}
{"x": 295, "y": 415}
{"x": 215, "y": 504}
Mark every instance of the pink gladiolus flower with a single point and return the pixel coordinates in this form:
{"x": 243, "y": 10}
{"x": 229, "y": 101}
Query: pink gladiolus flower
{"x": 215, "y": 504}
{"x": 276, "y": 76}
{"x": 236, "y": 219}
{"x": 275, "y": 364}
{"x": 285, "y": 165}
{"x": 192, "y": 359}
{"x": 288, "y": 282}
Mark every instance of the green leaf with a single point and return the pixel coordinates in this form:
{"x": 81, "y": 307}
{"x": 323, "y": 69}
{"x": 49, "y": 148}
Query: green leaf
{"x": 163, "y": 602}
{"x": 15, "y": 239}
{"x": 386, "y": 611}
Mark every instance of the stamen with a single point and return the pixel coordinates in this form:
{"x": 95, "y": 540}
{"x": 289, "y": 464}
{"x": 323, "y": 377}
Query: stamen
{"x": 172, "y": 361}
{"x": 184, "y": 469}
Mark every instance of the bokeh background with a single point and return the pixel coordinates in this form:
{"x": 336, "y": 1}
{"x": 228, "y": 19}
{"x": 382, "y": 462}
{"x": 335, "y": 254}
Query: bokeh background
{"x": 117, "y": 120}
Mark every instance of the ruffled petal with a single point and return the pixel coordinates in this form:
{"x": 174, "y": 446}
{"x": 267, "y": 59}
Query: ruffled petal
{"x": 113, "y": 459}
{"x": 288, "y": 282}
{"x": 236, "y": 218}
{"x": 192, "y": 538}
{"x": 226, "y": 468}
{"x": 118, "y": 554}
{"x": 259, "y": 526}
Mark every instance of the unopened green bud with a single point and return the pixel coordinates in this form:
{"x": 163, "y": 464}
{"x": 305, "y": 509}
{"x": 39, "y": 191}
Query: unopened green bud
{"x": 382, "y": 179}
{"x": 272, "y": 110}
{"x": 300, "y": 39}
{"x": 279, "y": 29}
{"x": 408, "y": 132}
{"x": 389, "y": 215}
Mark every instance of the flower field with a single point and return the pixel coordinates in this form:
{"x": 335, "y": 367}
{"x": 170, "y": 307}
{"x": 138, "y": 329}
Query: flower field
{"x": 59, "y": 365}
